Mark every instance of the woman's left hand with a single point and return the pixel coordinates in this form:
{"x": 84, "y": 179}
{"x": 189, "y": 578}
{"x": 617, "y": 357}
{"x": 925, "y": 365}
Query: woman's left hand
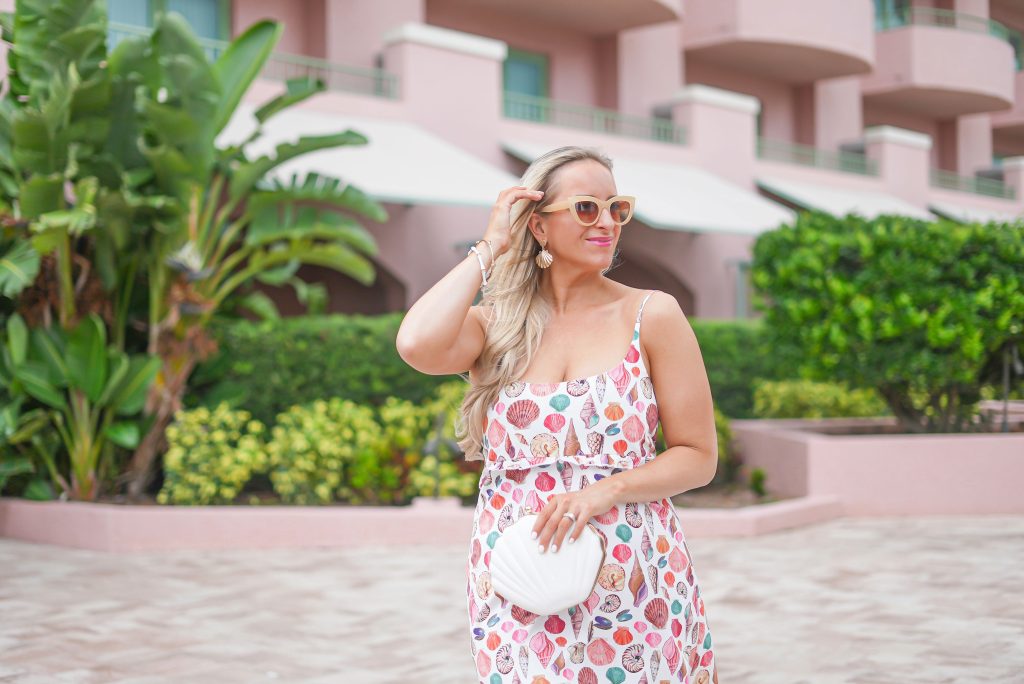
{"x": 552, "y": 525}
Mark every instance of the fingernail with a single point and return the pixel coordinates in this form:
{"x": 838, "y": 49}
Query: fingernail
{"x": 540, "y": 547}
{"x": 572, "y": 539}
{"x": 554, "y": 548}
{"x": 533, "y": 535}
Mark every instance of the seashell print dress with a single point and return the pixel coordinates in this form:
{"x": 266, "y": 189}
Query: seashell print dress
{"x": 645, "y": 620}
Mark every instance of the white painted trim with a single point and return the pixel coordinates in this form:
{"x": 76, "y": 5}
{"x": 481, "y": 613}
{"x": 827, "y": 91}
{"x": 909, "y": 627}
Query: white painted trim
{"x": 894, "y": 134}
{"x": 705, "y": 94}
{"x": 1013, "y": 163}
{"x": 459, "y": 41}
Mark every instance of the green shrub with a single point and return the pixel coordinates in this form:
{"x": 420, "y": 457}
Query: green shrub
{"x": 811, "y": 399}
{"x": 269, "y": 366}
{"x": 916, "y": 309}
{"x": 735, "y": 356}
{"x": 447, "y": 473}
{"x": 326, "y": 448}
{"x": 211, "y": 455}
{"x": 757, "y": 477}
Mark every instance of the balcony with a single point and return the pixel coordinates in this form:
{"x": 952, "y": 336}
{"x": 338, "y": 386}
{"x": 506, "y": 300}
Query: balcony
{"x": 793, "y": 41}
{"x": 592, "y": 17}
{"x": 805, "y": 155}
{"x": 609, "y": 121}
{"x": 1008, "y": 125}
{"x": 915, "y": 74}
{"x": 283, "y": 66}
{"x": 977, "y": 185}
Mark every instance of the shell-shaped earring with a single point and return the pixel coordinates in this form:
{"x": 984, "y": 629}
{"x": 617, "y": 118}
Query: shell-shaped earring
{"x": 544, "y": 257}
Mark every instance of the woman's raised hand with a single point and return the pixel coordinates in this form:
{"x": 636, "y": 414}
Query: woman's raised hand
{"x": 499, "y": 225}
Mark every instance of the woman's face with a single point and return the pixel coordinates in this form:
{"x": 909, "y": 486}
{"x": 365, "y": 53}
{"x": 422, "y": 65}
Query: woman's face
{"x": 566, "y": 239}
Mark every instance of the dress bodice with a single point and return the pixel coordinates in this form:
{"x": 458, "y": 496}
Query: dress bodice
{"x": 610, "y": 418}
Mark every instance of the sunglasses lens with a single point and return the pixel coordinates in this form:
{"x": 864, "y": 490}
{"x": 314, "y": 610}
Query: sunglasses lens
{"x": 587, "y": 211}
{"x": 620, "y": 211}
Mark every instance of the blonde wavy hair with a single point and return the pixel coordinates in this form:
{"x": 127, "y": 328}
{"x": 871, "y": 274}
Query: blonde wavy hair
{"x": 517, "y": 317}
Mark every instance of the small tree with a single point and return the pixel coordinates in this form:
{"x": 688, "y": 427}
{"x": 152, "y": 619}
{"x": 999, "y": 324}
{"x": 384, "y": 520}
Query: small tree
{"x": 124, "y": 227}
{"x": 915, "y": 309}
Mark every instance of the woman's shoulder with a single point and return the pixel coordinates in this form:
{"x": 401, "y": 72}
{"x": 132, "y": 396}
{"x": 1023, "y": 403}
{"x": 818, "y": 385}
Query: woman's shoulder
{"x": 662, "y": 311}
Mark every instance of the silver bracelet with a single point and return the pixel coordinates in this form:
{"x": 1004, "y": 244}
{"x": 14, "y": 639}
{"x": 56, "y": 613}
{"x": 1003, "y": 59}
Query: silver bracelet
{"x": 479, "y": 258}
{"x": 490, "y": 248}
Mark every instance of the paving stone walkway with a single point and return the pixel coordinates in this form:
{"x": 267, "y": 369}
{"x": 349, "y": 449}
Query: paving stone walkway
{"x": 935, "y": 600}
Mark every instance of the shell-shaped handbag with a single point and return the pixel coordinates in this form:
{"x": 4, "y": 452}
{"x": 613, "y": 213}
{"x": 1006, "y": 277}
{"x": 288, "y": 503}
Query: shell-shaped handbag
{"x": 545, "y": 583}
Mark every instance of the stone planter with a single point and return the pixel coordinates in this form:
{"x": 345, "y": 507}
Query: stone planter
{"x": 873, "y": 473}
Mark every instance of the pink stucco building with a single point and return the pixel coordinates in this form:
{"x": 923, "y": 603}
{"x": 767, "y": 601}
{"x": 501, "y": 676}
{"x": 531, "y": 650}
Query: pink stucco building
{"x": 723, "y": 117}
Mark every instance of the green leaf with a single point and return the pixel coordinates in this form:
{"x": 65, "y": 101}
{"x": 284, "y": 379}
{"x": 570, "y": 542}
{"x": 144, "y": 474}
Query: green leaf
{"x": 279, "y": 275}
{"x": 131, "y": 394}
{"x": 41, "y": 194}
{"x": 14, "y": 466}
{"x": 247, "y": 175}
{"x": 343, "y": 260}
{"x": 87, "y": 357}
{"x": 124, "y": 434}
{"x": 261, "y": 305}
{"x": 49, "y": 345}
{"x": 33, "y": 379}
{"x": 17, "y": 339}
{"x": 19, "y": 267}
{"x": 118, "y": 363}
{"x": 296, "y": 90}
{"x": 315, "y": 187}
{"x": 239, "y": 65}
{"x": 38, "y": 489}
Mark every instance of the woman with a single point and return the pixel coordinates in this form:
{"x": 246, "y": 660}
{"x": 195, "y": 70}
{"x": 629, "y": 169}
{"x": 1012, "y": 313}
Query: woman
{"x": 563, "y": 439}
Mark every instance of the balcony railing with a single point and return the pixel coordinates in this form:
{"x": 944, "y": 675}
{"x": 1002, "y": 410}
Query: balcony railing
{"x": 931, "y": 16}
{"x": 806, "y": 155}
{"x": 543, "y": 110}
{"x": 282, "y": 66}
{"x": 978, "y": 185}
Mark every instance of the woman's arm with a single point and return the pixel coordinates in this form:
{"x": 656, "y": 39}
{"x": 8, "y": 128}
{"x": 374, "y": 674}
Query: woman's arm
{"x": 442, "y": 333}
{"x": 684, "y": 405}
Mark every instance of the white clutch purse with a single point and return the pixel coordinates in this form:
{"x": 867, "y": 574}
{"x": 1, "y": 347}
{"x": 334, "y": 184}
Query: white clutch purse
{"x": 545, "y": 583}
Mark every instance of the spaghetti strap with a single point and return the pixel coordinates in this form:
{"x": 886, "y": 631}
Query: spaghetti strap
{"x": 639, "y": 314}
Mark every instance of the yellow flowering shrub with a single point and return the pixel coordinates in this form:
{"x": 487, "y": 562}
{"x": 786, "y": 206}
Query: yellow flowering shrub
{"x": 211, "y": 455}
{"x": 448, "y": 474}
{"x": 317, "y": 449}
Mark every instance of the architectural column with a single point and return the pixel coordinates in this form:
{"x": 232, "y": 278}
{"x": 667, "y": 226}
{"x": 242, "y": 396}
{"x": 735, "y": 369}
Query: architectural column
{"x": 973, "y": 143}
{"x": 838, "y": 112}
{"x": 721, "y": 128}
{"x": 650, "y": 67}
{"x": 904, "y": 161}
{"x": 450, "y": 82}
{"x": 1013, "y": 175}
{"x": 354, "y": 29}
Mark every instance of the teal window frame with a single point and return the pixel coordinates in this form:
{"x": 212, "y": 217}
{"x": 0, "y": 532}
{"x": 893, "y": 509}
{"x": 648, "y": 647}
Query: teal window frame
{"x": 223, "y": 16}
{"x": 538, "y": 59}
{"x": 890, "y": 13}
{"x": 744, "y": 288}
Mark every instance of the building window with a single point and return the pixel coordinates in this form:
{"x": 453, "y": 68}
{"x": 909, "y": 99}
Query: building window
{"x": 890, "y": 13}
{"x": 526, "y": 73}
{"x": 208, "y": 18}
{"x": 744, "y": 289}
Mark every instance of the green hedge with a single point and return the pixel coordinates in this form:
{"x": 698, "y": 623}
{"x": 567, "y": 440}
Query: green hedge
{"x": 736, "y": 357}
{"x": 810, "y": 399}
{"x": 921, "y": 311}
{"x": 269, "y": 366}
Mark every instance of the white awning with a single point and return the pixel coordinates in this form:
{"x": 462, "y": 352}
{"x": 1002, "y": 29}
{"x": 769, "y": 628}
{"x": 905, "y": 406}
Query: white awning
{"x": 957, "y": 212}
{"x": 840, "y": 201}
{"x": 682, "y": 197}
{"x": 402, "y": 163}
